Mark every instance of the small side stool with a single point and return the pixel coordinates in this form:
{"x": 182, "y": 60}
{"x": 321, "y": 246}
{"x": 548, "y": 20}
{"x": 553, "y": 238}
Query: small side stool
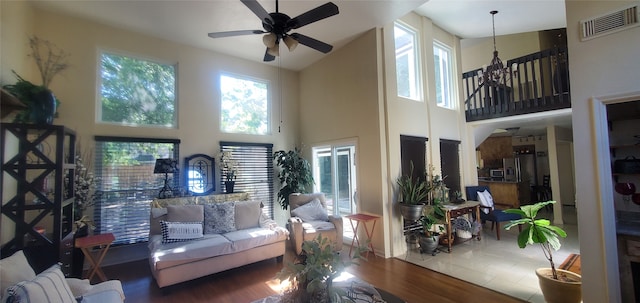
{"x": 103, "y": 241}
{"x": 364, "y": 218}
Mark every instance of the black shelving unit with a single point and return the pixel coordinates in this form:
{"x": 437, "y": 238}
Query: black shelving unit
{"x": 37, "y": 183}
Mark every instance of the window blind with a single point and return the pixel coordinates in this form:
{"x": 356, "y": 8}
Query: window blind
{"x": 255, "y": 171}
{"x": 127, "y": 184}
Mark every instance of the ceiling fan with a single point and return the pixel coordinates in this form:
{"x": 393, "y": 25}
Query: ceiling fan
{"x": 278, "y": 25}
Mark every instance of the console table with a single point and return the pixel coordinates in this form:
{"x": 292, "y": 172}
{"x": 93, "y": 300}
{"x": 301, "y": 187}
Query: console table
{"x": 456, "y": 210}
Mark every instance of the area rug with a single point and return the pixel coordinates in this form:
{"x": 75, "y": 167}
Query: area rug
{"x": 571, "y": 263}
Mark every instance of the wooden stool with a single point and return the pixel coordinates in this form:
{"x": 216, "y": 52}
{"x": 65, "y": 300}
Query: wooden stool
{"x": 103, "y": 241}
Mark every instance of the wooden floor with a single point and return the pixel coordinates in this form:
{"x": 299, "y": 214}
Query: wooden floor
{"x": 245, "y": 284}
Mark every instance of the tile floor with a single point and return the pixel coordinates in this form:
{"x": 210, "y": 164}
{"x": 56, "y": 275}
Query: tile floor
{"x": 500, "y": 265}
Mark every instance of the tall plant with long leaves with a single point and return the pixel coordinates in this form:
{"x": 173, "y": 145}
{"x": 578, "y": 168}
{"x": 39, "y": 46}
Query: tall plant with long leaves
{"x": 294, "y": 176}
{"x": 413, "y": 190}
{"x": 538, "y": 231}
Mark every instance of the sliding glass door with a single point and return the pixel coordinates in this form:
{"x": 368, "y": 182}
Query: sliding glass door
{"x": 334, "y": 174}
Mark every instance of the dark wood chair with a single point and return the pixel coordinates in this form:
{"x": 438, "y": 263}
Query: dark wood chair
{"x": 493, "y": 214}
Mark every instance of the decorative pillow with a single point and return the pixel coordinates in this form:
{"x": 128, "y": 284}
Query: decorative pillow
{"x": 485, "y": 200}
{"x": 49, "y": 286}
{"x": 312, "y": 211}
{"x": 14, "y": 269}
{"x": 247, "y": 214}
{"x": 157, "y": 215}
{"x": 219, "y": 218}
{"x": 180, "y": 231}
{"x": 185, "y": 213}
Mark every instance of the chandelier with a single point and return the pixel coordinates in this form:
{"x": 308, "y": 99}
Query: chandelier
{"x": 496, "y": 72}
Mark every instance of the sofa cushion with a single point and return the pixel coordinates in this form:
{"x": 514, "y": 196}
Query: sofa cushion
{"x": 253, "y": 237}
{"x": 49, "y": 286}
{"x": 180, "y": 231}
{"x": 247, "y": 214}
{"x": 219, "y": 218}
{"x": 486, "y": 200}
{"x": 172, "y": 254}
{"x": 312, "y": 211}
{"x": 157, "y": 215}
{"x": 185, "y": 213}
{"x": 14, "y": 269}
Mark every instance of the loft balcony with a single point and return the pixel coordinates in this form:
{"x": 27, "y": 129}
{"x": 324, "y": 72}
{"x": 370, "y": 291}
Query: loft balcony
{"x": 533, "y": 83}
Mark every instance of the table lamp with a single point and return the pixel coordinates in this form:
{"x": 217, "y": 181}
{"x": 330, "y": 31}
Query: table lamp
{"x": 165, "y": 166}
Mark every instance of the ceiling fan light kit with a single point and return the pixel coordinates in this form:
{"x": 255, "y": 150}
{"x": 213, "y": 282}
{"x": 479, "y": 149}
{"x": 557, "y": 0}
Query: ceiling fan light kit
{"x": 278, "y": 25}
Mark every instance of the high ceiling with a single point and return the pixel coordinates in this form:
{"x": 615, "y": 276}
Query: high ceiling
{"x": 188, "y": 22}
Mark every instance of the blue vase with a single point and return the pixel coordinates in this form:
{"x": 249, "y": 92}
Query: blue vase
{"x": 43, "y": 108}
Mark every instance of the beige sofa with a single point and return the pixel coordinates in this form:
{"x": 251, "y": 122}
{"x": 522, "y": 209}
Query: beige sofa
{"x": 252, "y": 238}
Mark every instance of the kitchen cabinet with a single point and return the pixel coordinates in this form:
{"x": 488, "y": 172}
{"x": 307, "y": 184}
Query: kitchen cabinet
{"x": 508, "y": 194}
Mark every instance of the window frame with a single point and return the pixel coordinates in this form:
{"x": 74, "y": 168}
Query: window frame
{"x": 268, "y": 117}
{"x": 415, "y": 94}
{"x": 450, "y": 99}
{"x": 99, "y": 82}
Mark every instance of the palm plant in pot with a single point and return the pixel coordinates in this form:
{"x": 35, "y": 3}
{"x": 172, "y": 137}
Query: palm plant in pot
{"x": 557, "y": 285}
{"x": 413, "y": 192}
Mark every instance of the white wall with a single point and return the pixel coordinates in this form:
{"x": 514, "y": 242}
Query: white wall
{"x": 478, "y": 52}
{"x": 607, "y": 68}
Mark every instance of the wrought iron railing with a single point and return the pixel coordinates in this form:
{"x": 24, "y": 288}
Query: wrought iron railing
{"x": 533, "y": 83}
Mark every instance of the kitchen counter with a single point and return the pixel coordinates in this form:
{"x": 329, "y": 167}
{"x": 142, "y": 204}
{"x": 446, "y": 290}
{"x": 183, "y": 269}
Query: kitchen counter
{"x": 510, "y": 194}
{"x": 495, "y": 181}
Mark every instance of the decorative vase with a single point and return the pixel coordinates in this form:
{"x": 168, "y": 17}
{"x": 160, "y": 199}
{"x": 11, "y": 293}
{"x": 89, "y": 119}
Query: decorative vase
{"x": 429, "y": 244}
{"x": 556, "y": 291}
{"x": 228, "y": 186}
{"x": 43, "y": 108}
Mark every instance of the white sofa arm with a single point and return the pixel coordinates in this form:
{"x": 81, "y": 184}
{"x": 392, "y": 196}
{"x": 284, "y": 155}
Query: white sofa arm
{"x": 106, "y": 291}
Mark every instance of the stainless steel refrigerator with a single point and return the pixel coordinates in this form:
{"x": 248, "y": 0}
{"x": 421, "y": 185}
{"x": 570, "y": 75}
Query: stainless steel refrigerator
{"x": 520, "y": 168}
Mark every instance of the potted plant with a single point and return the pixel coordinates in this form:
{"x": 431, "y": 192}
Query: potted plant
{"x": 557, "y": 285}
{"x": 431, "y": 227}
{"x": 41, "y": 104}
{"x": 311, "y": 276}
{"x": 229, "y": 169}
{"x": 294, "y": 176}
{"x": 413, "y": 192}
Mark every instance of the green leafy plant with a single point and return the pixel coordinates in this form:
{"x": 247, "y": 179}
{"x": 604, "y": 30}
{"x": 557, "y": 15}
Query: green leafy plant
{"x": 311, "y": 276}
{"x": 294, "y": 176}
{"x": 537, "y": 231}
{"x": 431, "y": 216}
{"x": 413, "y": 190}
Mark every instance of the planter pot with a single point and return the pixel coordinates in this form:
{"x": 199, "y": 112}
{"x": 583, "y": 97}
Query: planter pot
{"x": 228, "y": 186}
{"x": 44, "y": 107}
{"x": 558, "y": 291}
{"x": 411, "y": 212}
{"x": 429, "y": 244}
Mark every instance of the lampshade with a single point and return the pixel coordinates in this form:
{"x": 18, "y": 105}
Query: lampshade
{"x": 290, "y": 42}
{"x": 165, "y": 165}
{"x": 269, "y": 40}
{"x": 274, "y": 51}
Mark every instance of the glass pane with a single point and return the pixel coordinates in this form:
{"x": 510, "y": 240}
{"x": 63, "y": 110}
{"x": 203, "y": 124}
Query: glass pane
{"x": 323, "y": 175}
{"x": 443, "y": 75}
{"x": 244, "y": 106}
{"x": 137, "y": 92}
{"x": 345, "y": 201}
{"x": 407, "y": 71}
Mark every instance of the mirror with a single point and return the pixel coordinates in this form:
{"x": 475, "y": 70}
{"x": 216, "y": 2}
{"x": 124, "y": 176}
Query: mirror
{"x": 199, "y": 172}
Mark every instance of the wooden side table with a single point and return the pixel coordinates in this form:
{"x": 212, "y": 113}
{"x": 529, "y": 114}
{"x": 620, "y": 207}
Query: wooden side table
{"x": 103, "y": 241}
{"x": 364, "y": 218}
{"x": 456, "y": 210}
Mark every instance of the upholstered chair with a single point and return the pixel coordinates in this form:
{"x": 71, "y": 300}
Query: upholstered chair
{"x": 309, "y": 218}
{"x": 488, "y": 209}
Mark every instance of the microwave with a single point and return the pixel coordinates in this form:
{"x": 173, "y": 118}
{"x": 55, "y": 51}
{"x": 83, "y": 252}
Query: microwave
{"x": 496, "y": 174}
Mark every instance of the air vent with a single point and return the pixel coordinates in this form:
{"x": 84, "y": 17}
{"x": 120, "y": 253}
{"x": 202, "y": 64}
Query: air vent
{"x": 610, "y": 23}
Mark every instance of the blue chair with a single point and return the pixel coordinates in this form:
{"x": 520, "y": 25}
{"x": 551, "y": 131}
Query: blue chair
{"x": 494, "y": 215}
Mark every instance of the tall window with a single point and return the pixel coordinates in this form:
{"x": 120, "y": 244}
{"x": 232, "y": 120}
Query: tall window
{"x": 128, "y": 185}
{"x": 407, "y": 63}
{"x": 244, "y": 105}
{"x": 444, "y": 75}
{"x": 136, "y": 92}
{"x": 334, "y": 172}
{"x": 255, "y": 171}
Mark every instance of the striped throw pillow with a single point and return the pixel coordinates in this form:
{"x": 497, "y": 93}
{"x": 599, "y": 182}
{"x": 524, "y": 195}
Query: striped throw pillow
{"x": 49, "y": 286}
{"x": 180, "y": 231}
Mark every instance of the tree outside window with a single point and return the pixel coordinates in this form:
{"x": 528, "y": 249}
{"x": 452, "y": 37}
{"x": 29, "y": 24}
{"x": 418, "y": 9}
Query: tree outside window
{"x": 244, "y": 105}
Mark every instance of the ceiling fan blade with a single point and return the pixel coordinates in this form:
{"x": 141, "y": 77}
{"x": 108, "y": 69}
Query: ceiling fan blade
{"x": 236, "y": 33}
{"x": 257, "y": 9}
{"x": 323, "y": 11}
{"x": 268, "y": 57}
{"x": 313, "y": 43}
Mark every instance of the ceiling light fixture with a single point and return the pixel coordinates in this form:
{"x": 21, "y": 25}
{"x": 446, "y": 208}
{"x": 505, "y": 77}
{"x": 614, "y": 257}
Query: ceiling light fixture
{"x": 495, "y": 73}
{"x": 290, "y": 42}
{"x": 269, "y": 40}
{"x": 275, "y": 50}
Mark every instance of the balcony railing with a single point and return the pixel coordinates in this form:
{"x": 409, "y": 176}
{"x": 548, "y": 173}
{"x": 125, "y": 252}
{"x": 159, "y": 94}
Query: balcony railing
{"x": 533, "y": 83}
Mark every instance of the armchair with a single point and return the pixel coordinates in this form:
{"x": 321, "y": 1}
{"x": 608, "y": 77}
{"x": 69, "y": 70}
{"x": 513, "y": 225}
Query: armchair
{"x": 309, "y": 218}
{"x": 488, "y": 212}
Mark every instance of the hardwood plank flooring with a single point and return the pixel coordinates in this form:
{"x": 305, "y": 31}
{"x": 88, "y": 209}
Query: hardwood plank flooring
{"x": 252, "y": 282}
